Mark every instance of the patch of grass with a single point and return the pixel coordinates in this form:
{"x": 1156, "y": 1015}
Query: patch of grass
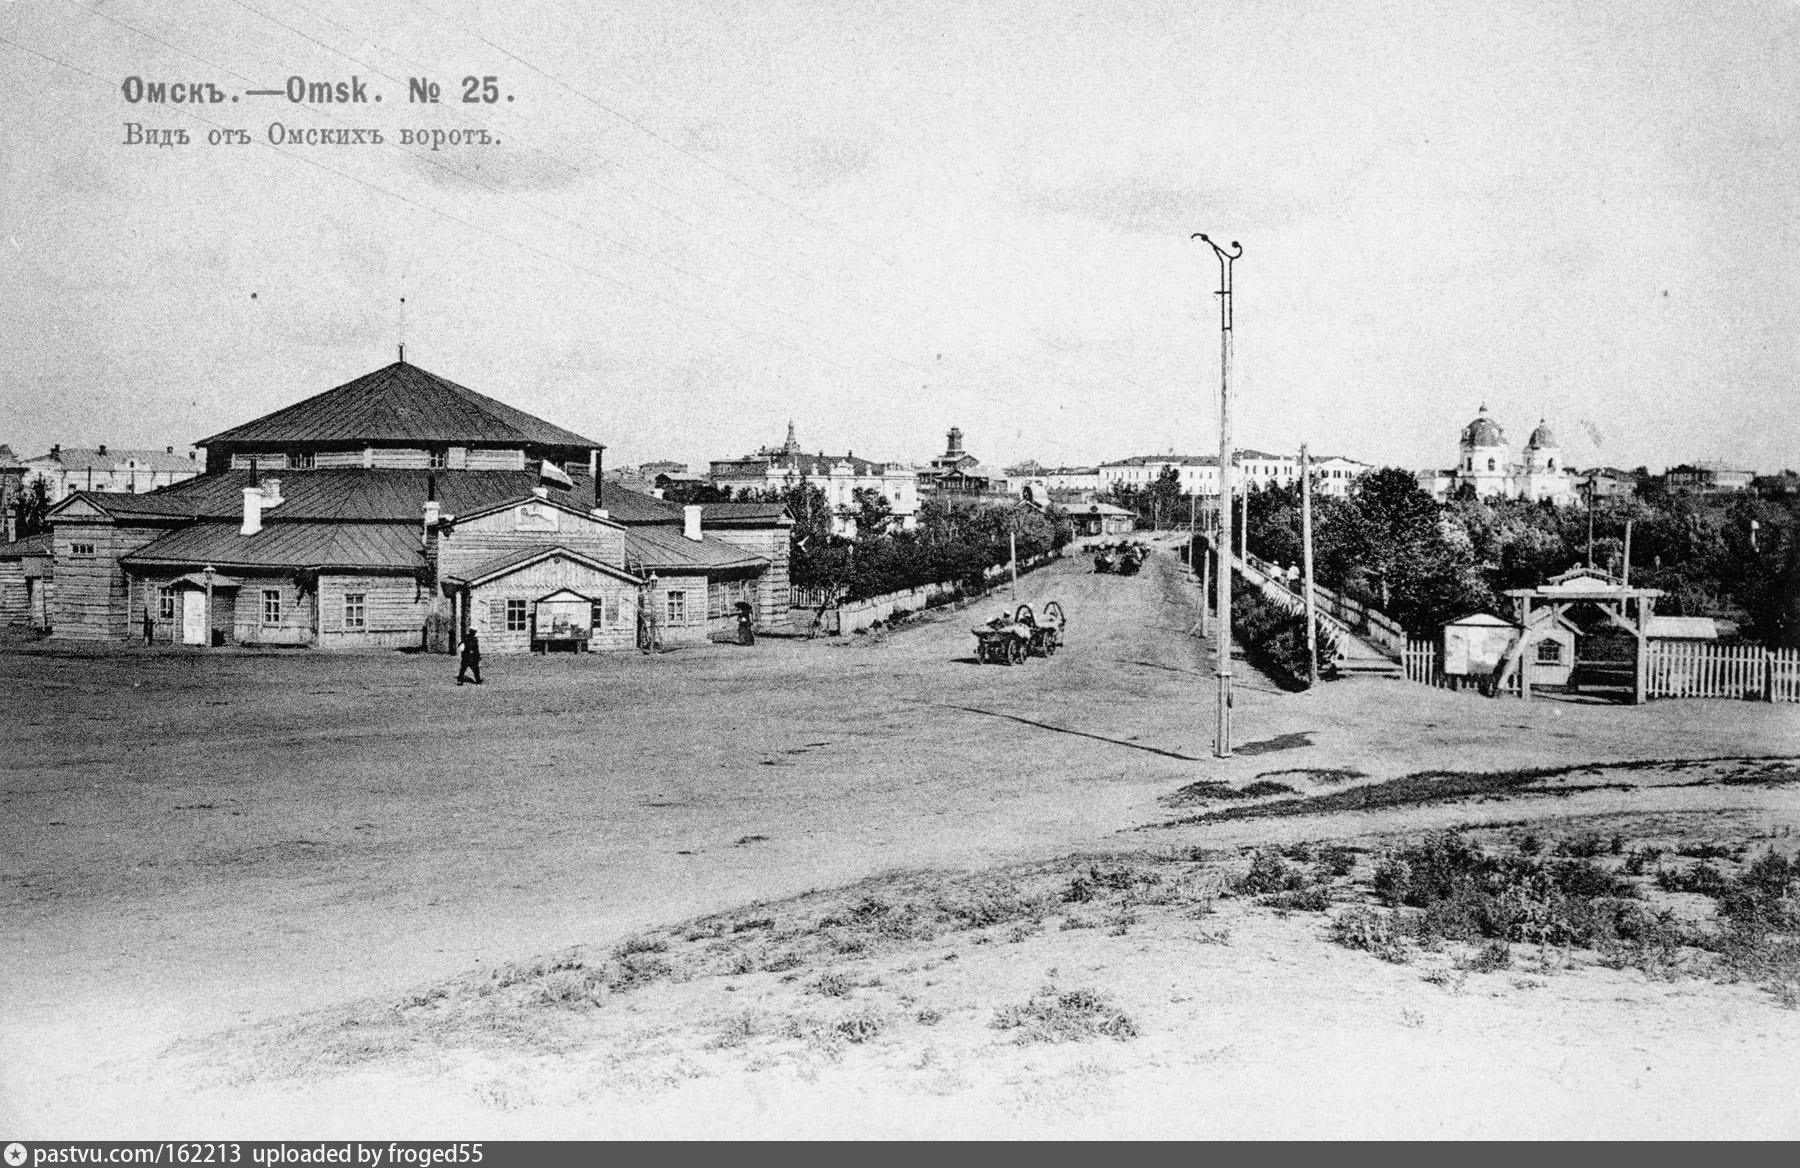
{"x": 735, "y": 1030}
{"x": 746, "y": 926}
{"x": 1074, "y": 1015}
{"x": 633, "y": 945}
{"x": 1585, "y": 846}
{"x": 1085, "y": 886}
{"x": 1212, "y": 790}
{"x": 1328, "y": 776}
{"x": 832, "y": 984}
{"x": 1422, "y": 788}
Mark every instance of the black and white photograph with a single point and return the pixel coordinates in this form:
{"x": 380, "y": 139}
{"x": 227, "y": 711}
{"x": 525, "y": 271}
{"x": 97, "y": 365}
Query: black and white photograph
{"x": 957, "y": 570}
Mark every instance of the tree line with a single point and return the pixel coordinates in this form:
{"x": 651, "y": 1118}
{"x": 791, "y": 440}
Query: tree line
{"x": 1389, "y": 544}
{"x": 954, "y": 540}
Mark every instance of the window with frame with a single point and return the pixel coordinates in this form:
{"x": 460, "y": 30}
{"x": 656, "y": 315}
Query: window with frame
{"x": 356, "y": 610}
{"x": 675, "y": 607}
{"x": 517, "y": 617}
{"x": 165, "y": 603}
{"x": 1549, "y": 652}
{"x": 271, "y": 606}
{"x": 437, "y": 459}
{"x": 301, "y": 461}
{"x": 81, "y": 549}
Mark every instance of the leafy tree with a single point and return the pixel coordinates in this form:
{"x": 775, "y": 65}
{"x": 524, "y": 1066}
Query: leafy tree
{"x": 31, "y": 507}
{"x": 874, "y": 514}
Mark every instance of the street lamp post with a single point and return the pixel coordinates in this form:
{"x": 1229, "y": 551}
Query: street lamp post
{"x": 1222, "y": 650}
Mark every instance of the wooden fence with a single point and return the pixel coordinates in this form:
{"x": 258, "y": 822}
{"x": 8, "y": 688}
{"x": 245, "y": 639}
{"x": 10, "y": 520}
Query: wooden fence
{"x": 1422, "y": 664}
{"x": 1673, "y": 669}
{"x": 1697, "y": 669}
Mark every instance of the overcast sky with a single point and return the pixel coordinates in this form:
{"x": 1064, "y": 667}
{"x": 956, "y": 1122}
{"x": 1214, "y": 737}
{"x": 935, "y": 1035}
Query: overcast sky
{"x": 703, "y": 220}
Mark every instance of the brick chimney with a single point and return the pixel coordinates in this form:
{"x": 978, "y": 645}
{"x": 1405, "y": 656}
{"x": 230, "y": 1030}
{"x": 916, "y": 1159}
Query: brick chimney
{"x": 253, "y": 501}
{"x": 691, "y": 520}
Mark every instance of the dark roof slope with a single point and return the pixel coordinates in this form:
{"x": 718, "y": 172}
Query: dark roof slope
{"x": 31, "y": 545}
{"x": 624, "y": 505}
{"x": 362, "y": 546}
{"x": 664, "y": 549}
{"x": 745, "y": 515}
{"x": 401, "y": 403}
{"x": 351, "y": 494}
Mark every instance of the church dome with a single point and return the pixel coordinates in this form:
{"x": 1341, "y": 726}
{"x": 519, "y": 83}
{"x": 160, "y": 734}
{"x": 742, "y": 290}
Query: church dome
{"x": 1483, "y": 431}
{"x": 1541, "y": 438}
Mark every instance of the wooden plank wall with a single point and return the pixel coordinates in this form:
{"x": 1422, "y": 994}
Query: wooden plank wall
{"x": 90, "y": 601}
{"x": 395, "y": 608}
{"x": 476, "y": 541}
{"x": 772, "y": 597}
{"x": 487, "y": 604}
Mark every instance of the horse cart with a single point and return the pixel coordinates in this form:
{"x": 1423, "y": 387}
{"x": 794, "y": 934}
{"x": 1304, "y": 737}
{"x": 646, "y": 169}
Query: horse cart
{"x": 1009, "y": 639}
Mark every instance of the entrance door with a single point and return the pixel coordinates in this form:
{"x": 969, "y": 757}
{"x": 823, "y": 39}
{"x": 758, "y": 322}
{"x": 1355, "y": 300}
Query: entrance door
{"x": 193, "y": 618}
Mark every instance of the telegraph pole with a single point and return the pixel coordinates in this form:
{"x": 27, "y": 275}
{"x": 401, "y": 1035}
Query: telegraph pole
{"x": 1312, "y": 636}
{"x": 1222, "y": 652}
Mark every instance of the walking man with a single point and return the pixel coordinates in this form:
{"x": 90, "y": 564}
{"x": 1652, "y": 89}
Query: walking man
{"x": 471, "y": 656}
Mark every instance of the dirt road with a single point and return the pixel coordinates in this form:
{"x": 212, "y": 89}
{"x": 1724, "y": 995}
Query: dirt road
{"x": 190, "y": 841}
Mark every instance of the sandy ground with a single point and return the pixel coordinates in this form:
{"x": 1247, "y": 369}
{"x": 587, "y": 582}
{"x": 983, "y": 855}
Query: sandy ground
{"x": 193, "y": 844}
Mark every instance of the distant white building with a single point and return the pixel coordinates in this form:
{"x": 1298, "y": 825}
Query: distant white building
{"x": 66, "y": 470}
{"x": 1255, "y": 470}
{"x": 776, "y": 468}
{"x": 1335, "y": 475}
{"x": 1484, "y": 463}
{"x": 1072, "y": 478}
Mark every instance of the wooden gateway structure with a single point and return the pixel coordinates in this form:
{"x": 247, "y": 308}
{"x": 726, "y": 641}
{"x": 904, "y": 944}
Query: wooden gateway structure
{"x": 1546, "y": 613}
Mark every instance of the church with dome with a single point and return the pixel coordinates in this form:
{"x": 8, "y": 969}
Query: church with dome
{"x": 1485, "y": 463}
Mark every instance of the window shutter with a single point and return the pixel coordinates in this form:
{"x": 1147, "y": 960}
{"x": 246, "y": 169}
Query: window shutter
{"x": 496, "y": 616}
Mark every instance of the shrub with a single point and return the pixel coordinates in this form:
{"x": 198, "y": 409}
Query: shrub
{"x": 1269, "y": 873}
{"x": 1365, "y": 929}
{"x": 1583, "y": 846}
{"x": 1336, "y": 859}
{"x": 1702, "y": 878}
{"x": 859, "y": 1027}
{"x": 1313, "y": 898}
{"x": 1070, "y": 1016}
{"x": 1495, "y": 955}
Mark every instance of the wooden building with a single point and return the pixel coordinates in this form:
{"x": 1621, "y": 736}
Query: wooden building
{"x": 364, "y": 556}
{"x": 27, "y": 579}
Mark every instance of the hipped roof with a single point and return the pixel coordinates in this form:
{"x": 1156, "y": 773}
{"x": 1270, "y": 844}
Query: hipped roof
{"x": 401, "y": 403}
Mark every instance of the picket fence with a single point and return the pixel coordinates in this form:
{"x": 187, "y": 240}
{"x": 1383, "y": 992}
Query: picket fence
{"x": 1696, "y": 669}
{"x": 1673, "y": 669}
{"x": 1420, "y": 660}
